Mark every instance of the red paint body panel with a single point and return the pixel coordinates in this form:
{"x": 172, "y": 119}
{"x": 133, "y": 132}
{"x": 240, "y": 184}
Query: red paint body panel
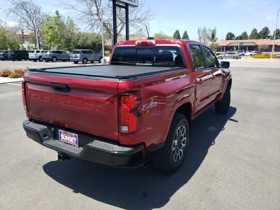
{"x": 92, "y": 105}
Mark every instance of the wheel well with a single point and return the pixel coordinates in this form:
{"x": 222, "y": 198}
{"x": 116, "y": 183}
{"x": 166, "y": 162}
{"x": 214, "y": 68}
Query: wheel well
{"x": 186, "y": 110}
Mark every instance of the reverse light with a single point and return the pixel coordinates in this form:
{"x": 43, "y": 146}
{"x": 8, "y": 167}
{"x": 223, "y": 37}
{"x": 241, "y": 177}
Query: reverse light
{"x": 23, "y": 95}
{"x": 129, "y": 115}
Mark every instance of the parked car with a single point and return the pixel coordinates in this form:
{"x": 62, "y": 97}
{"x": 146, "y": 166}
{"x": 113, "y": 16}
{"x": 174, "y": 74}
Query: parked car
{"x": 250, "y": 53}
{"x": 17, "y": 55}
{"x": 85, "y": 55}
{"x": 55, "y": 55}
{"x": 35, "y": 55}
{"x": 229, "y": 55}
{"x": 3, "y": 54}
{"x": 241, "y": 52}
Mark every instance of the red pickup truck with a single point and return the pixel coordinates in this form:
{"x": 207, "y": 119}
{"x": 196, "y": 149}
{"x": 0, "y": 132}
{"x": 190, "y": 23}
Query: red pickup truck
{"x": 139, "y": 107}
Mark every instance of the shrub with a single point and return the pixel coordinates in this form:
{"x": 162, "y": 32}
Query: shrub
{"x": 20, "y": 72}
{"x": 5, "y": 73}
{"x": 14, "y": 75}
{"x": 263, "y": 55}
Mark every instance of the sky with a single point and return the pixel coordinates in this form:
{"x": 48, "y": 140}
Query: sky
{"x": 234, "y": 16}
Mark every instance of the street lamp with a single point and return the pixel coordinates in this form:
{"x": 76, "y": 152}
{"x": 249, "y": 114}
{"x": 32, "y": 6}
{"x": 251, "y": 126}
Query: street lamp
{"x": 273, "y": 46}
{"x": 102, "y": 35}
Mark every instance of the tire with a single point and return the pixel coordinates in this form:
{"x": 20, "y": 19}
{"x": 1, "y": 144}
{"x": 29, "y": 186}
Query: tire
{"x": 54, "y": 59}
{"x": 100, "y": 60}
{"x": 40, "y": 59}
{"x": 91, "y": 61}
{"x": 171, "y": 156}
{"x": 222, "y": 106}
{"x": 84, "y": 61}
{"x": 34, "y": 60}
{"x": 76, "y": 62}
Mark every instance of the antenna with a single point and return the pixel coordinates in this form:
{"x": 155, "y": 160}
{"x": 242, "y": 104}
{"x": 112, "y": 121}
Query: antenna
{"x": 147, "y": 31}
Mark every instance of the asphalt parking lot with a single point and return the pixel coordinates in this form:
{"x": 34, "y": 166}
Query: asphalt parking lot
{"x": 233, "y": 161}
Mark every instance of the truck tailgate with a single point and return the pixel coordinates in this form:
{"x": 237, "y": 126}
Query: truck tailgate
{"x": 79, "y": 103}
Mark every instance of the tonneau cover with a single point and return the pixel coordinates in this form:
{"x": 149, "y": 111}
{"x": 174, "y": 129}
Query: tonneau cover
{"x": 110, "y": 71}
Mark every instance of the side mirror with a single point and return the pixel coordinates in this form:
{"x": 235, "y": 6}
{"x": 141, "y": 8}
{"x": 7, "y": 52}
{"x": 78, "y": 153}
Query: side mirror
{"x": 225, "y": 64}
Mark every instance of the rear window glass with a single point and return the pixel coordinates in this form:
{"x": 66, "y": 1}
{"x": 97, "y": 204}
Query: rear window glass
{"x": 155, "y": 55}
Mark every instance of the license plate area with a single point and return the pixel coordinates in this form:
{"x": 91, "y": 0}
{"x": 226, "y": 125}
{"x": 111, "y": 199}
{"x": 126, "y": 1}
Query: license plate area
{"x": 68, "y": 137}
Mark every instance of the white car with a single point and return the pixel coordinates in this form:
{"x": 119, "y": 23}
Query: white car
{"x": 250, "y": 53}
{"x": 36, "y": 55}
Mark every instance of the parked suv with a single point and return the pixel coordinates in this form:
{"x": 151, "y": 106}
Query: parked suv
{"x": 35, "y": 55}
{"x": 85, "y": 55}
{"x": 17, "y": 55}
{"x": 55, "y": 55}
{"x": 3, "y": 54}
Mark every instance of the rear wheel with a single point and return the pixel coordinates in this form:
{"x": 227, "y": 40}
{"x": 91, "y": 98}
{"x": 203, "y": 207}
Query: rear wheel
{"x": 171, "y": 156}
{"x": 75, "y": 62}
{"x": 40, "y": 59}
{"x": 222, "y": 106}
{"x": 54, "y": 59}
{"x": 84, "y": 61}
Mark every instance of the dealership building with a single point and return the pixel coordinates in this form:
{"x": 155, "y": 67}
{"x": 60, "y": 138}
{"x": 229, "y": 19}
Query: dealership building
{"x": 249, "y": 45}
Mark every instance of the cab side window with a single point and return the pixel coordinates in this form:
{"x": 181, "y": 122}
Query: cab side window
{"x": 210, "y": 58}
{"x": 197, "y": 57}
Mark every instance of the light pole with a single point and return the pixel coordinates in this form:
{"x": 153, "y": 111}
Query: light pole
{"x": 102, "y": 31}
{"x": 273, "y": 46}
{"x": 102, "y": 35}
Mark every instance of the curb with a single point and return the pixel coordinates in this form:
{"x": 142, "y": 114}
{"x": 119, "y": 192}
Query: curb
{"x": 5, "y": 80}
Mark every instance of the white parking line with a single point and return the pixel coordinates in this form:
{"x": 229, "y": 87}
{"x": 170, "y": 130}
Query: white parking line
{"x": 14, "y": 84}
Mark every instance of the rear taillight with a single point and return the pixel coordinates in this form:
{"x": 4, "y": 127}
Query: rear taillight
{"x": 129, "y": 115}
{"x": 23, "y": 95}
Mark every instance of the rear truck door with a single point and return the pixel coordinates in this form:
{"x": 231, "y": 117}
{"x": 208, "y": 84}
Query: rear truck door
{"x": 77, "y": 103}
{"x": 217, "y": 74}
{"x": 202, "y": 77}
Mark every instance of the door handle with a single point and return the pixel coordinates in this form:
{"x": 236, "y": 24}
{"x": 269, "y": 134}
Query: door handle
{"x": 61, "y": 87}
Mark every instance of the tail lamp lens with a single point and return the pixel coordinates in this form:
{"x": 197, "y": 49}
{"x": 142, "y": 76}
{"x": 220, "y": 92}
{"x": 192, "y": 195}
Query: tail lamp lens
{"x": 129, "y": 116}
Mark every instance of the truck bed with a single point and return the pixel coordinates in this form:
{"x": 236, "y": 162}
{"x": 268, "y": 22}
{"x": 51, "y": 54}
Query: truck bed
{"x": 109, "y": 71}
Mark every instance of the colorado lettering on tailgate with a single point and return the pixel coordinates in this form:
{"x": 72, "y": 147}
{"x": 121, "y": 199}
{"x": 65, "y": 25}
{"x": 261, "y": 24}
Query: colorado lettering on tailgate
{"x": 77, "y": 104}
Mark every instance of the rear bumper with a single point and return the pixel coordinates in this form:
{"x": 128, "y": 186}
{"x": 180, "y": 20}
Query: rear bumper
{"x": 95, "y": 150}
{"x": 75, "y": 59}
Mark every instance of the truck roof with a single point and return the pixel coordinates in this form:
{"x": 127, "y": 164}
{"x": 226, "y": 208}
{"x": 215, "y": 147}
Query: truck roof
{"x": 148, "y": 41}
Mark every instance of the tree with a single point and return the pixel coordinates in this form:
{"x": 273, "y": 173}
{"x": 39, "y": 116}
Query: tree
{"x": 263, "y": 48}
{"x": 230, "y": 36}
{"x": 214, "y": 46}
{"x": 243, "y": 36}
{"x": 264, "y": 33}
{"x": 29, "y": 16}
{"x": 177, "y": 35}
{"x": 212, "y": 35}
{"x": 254, "y": 34}
{"x": 9, "y": 38}
{"x": 203, "y": 34}
{"x": 60, "y": 33}
{"x": 277, "y": 35}
{"x": 89, "y": 41}
{"x": 185, "y": 35}
{"x": 161, "y": 35}
{"x": 96, "y": 12}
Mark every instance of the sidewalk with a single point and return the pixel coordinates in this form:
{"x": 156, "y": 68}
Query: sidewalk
{"x": 4, "y": 80}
